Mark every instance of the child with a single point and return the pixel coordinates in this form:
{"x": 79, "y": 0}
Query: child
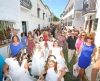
{"x": 42, "y": 43}
{"x": 30, "y": 43}
{"x": 56, "y": 50}
{"x": 37, "y": 60}
{"x": 49, "y": 45}
{"x": 18, "y": 67}
{"x": 50, "y": 42}
{"x": 55, "y": 72}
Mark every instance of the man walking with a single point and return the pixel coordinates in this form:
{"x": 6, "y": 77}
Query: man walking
{"x": 71, "y": 46}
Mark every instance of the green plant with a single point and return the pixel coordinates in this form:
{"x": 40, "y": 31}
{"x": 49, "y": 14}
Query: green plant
{"x": 95, "y": 26}
{"x": 3, "y": 33}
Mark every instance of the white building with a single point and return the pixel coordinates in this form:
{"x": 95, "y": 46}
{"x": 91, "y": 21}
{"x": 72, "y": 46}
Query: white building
{"x": 36, "y": 16}
{"x": 72, "y": 15}
{"x": 89, "y": 13}
{"x": 97, "y": 38}
{"x": 24, "y": 15}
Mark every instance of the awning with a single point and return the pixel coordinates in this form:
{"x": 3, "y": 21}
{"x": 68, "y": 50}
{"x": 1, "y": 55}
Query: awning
{"x": 92, "y": 12}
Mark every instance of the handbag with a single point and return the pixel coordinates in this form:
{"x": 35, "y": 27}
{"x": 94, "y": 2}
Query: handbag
{"x": 76, "y": 69}
{"x": 88, "y": 71}
{"x": 7, "y": 78}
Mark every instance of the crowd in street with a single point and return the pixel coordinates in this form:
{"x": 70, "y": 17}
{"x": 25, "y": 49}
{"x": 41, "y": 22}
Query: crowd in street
{"x": 45, "y": 49}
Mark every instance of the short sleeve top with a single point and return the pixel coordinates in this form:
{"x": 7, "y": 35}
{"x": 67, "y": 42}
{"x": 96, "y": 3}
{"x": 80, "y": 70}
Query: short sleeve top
{"x": 15, "y": 49}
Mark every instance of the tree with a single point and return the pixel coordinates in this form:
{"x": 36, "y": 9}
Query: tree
{"x": 55, "y": 18}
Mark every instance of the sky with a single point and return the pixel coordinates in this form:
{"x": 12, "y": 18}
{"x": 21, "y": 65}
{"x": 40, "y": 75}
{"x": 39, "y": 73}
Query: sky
{"x": 56, "y": 6}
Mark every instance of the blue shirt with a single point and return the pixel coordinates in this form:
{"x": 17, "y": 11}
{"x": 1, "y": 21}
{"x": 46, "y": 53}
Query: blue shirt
{"x": 2, "y": 63}
{"x": 23, "y": 40}
{"x": 15, "y": 49}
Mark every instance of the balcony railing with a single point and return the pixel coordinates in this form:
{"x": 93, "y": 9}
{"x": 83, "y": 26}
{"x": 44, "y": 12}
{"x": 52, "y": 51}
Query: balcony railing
{"x": 89, "y": 6}
{"x": 69, "y": 9}
{"x": 26, "y": 3}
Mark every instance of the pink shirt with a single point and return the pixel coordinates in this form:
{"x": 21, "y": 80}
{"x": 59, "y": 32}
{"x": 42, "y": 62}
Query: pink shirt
{"x": 79, "y": 43}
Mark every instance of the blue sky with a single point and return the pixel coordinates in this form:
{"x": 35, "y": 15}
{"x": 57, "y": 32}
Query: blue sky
{"x": 56, "y": 6}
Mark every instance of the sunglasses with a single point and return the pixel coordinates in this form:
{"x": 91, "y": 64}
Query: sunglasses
{"x": 82, "y": 35}
{"x": 90, "y": 38}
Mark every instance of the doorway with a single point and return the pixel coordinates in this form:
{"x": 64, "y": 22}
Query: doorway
{"x": 24, "y": 27}
{"x": 90, "y": 26}
{"x": 38, "y": 27}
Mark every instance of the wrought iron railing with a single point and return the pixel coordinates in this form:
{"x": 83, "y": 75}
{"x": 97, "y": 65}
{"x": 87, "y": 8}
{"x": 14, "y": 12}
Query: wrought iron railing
{"x": 89, "y": 6}
{"x": 69, "y": 9}
{"x": 26, "y": 3}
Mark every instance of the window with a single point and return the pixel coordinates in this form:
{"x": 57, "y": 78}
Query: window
{"x": 43, "y": 15}
{"x": 46, "y": 14}
{"x": 38, "y": 26}
{"x": 49, "y": 19}
{"x": 70, "y": 23}
{"x": 38, "y": 12}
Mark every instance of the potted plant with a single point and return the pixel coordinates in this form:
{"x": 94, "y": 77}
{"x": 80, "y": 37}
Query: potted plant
{"x": 4, "y": 34}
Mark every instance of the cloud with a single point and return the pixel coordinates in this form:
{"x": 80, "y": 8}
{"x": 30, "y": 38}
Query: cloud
{"x": 56, "y": 9}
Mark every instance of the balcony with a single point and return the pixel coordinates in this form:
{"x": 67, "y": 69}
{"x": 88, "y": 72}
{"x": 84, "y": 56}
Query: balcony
{"x": 26, "y": 3}
{"x": 89, "y": 6}
{"x": 69, "y": 9}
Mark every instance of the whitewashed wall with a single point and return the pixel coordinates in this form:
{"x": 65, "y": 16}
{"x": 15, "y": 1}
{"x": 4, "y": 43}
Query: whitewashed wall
{"x": 78, "y": 21}
{"x": 30, "y": 16}
{"x": 10, "y": 10}
{"x": 78, "y": 4}
{"x": 97, "y": 41}
{"x": 4, "y": 51}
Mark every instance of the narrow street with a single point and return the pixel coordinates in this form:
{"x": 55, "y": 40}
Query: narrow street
{"x": 49, "y": 40}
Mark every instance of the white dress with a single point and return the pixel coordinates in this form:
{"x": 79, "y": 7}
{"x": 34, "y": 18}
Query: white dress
{"x": 44, "y": 49}
{"x": 18, "y": 73}
{"x": 42, "y": 44}
{"x": 37, "y": 63}
{"x": 50, "y": 44}
{"x": 36, "y": 38}
{"x": 60, "y": 60}
{"x": 52, "y": 75}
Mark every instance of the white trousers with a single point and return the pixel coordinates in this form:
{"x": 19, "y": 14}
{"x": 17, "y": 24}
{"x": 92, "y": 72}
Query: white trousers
{"x": 70, "y": 54}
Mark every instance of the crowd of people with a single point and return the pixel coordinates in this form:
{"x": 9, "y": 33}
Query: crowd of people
{"x": 45, "y": 49}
